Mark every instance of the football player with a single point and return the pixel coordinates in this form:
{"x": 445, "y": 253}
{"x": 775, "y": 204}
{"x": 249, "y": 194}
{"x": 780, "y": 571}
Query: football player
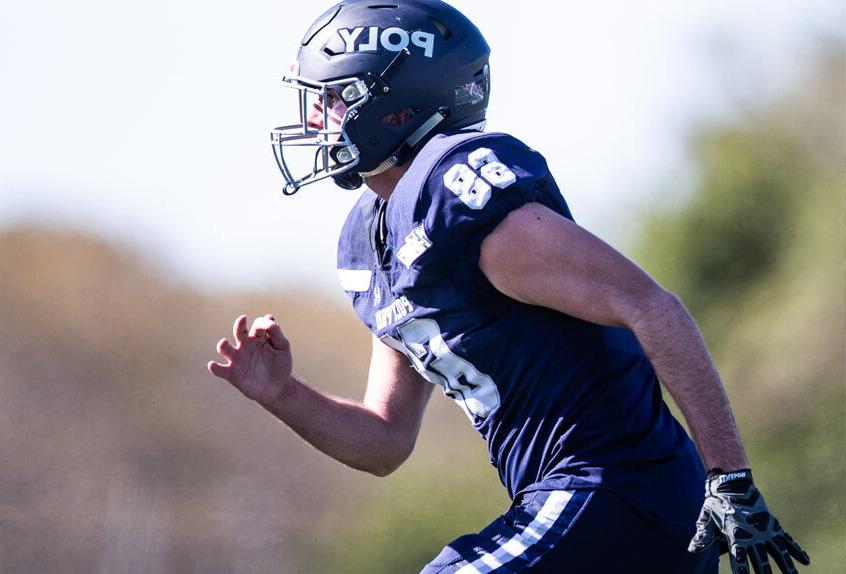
{"x": 463, "y": 259}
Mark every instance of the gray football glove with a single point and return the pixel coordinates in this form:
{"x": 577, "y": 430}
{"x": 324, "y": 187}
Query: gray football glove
{"x": 736, "y": 517}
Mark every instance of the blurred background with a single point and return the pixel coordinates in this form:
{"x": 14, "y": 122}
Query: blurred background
{"x": 140, "y": 212}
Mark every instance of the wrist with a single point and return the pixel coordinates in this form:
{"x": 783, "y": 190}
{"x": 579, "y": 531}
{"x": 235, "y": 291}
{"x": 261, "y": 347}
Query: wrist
{"x": 737, "y": 482}
{"x": 725, "y": 462}
{"x": 276, "y": 404}
{"x": 721, "y": 476}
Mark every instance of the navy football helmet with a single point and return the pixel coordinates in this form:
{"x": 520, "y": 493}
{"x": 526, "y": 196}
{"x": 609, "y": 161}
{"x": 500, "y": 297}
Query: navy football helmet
{"x": 405, "y": 71}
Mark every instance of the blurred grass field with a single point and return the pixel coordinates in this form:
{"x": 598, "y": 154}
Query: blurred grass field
{"x": 119, "y": 453}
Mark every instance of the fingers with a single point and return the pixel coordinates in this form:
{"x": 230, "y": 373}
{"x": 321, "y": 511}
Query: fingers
{"x": 264, "y": 329}
{"x": 759, "y": 560}
{"x": 260, "y": 326}
{"x": 239, "y": 330}
{"x": 781, "y": 558}
{"x": 737, "y": 560}
{"x": 259, "y": 330}
{"x": 277, "y": 338}
{"x": 705, "y": 532}
{"x": 226, "y": 349}
{"x": 267, "y": 326}
{"x": 219, "y": 370}
{"x": 785, "y": 542}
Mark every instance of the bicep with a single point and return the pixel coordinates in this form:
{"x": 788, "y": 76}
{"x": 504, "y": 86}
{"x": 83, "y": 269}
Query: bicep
{"x": 395, "y": 390}
{"x": 539, "y": 257}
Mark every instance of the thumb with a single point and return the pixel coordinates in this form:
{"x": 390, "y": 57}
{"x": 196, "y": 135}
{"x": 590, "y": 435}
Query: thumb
{"x": 277, "y": 339}
{"x": 706, "y": 531}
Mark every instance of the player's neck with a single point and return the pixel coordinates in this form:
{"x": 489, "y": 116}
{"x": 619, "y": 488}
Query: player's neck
{"x": 384, "y": 183}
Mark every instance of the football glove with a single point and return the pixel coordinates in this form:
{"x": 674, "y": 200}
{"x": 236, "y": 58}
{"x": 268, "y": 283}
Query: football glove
{"x": 736, "y": 517}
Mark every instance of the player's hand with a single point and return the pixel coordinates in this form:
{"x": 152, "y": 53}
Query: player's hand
{"x": 736, "y": 516}
{"x": 259, "y": 363}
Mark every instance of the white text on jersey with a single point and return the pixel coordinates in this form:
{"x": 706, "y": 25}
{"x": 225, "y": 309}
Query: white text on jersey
{"x": 397, "y": 310}
{"x": 416, "y": 244}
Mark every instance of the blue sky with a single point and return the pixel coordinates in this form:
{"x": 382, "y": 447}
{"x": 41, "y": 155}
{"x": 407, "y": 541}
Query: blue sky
{"x": 147, "y": 123}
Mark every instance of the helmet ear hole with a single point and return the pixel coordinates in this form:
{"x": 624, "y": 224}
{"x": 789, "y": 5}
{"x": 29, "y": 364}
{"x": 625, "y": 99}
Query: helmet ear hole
{"x": 398, "y": 118}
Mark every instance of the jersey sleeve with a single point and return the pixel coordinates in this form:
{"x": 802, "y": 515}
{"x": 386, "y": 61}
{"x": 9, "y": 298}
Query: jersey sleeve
{"x": 472, "y": 189}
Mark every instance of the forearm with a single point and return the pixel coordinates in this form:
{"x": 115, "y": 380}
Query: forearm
{"x": 347, "y": 431}
{"x": 678, "y": 353}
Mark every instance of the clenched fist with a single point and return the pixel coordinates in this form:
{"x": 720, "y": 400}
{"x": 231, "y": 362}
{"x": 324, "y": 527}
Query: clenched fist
{"x": 259, "y": 363}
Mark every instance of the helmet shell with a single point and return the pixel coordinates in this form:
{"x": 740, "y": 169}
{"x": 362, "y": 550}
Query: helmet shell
{"x": 447, "y": 68}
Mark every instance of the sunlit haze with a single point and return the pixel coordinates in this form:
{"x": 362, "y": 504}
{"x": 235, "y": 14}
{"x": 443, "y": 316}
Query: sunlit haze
{"x": 147, "y": 123}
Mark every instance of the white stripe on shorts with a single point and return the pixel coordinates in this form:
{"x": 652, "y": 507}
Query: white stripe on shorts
{"x": 521, "y": 541}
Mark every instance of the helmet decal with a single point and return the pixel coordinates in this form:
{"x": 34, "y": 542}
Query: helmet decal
{"x": 470, "y": 94}
{"x": 392, "y": 39}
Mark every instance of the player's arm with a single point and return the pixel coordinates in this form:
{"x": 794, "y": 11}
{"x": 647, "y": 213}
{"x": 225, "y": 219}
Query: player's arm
{"x": 539, "y": 257}
{"x": 376, "y": 435}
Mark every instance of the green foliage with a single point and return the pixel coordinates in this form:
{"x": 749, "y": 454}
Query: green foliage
{"x": 757, "y": 253}
{"x": 736, "y": 223}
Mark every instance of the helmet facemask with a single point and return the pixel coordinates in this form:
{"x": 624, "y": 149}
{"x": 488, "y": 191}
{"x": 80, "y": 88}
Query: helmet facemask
{"x": 306, "y": 153}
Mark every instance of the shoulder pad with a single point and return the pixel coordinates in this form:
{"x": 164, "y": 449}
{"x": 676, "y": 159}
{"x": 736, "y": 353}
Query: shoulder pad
{"x": 462, "y": 185}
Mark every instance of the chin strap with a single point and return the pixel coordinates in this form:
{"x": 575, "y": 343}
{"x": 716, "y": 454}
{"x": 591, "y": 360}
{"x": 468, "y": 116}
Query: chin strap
{"x": 382, "y": 167}
{"x": 410, "y": 143}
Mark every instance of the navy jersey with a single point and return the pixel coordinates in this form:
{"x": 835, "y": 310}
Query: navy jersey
{"x": 562, "y": 403}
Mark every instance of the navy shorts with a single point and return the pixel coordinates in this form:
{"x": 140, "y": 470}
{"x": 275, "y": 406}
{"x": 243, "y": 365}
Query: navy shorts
{"x": 571, "y": 532}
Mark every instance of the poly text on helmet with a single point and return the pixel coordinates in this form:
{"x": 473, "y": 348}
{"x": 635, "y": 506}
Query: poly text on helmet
{"x": 393, "y": 39}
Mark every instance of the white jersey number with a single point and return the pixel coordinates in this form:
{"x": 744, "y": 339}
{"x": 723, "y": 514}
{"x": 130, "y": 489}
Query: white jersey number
{"x": 473, "y": 190}
{"x": 474, "y": 391}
